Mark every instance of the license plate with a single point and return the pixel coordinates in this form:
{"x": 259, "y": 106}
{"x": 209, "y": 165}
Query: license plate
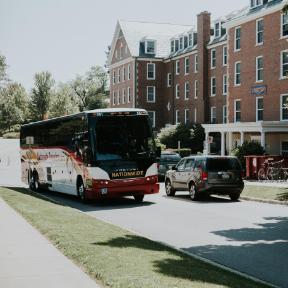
{"x": 225, "y": 176}
{"x": 104, "y": 191}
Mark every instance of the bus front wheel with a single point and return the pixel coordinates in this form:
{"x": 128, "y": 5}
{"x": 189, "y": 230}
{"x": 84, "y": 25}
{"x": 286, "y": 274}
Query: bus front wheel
{"x": 139, "y": 198}
{"x": 81, "y": 190}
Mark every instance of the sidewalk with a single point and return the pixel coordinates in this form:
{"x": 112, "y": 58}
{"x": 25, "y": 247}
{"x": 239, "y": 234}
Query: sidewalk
{"x": 266, "y": 183}
{"x": 28, "y": 259}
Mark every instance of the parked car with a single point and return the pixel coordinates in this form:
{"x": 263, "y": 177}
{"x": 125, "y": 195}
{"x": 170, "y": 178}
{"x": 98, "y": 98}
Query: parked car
{"x": 166, "y": 162}
{"x": 205, "y": 175}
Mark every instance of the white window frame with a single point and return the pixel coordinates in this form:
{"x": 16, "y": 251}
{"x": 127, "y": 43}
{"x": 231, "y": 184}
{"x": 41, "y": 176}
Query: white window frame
{"x": 217, "y": 35}
{"x": 187, "y": 91}
{"x": 282, "y": 24}
{"x": 169, "y": 80}
{"x": 172, "y": 46}
{"x": 195, "y": 115}
{"x": 213, "y": 58}
{"x": 186, "y": 118}
{"x": 124, "y": 73}
{"x": 177, "y": 117}
{"x": 235, "y": 74}
{"x": 213, "y": 112}
{"x": 128, "y": 94}
{"x": 225, "y": 55}
{"x": 154, "y": 94}
{"x": 129, "y": 72}
{"x": 281, "y": 107}
{"x": 190, "y": 39}
{"x": 153, "y": 118}
{"x": 177, "y": 67}
{"x": 146, "y": 47}
{"x": 114, "y": 77}
{"x": 154, "y": 71}
{"x": 259, "y": 69}
{"x": 181, "y": 43}
{"x": 118, "y": 97}
{"x": 196, "y": 63}
{"x": 187, "y": 65}
{"x": 235, "y": 39}
{"x": 177, "y": 91}
{"x": 235, "y": 112}
{"x": 254, "y": 4}
{"x": 114, "y": 98}
{"x": 281, "y": 64}
{"x": 212, "y": 86}
{"x": 257, "y": 109}
{"x": 124, "y": 96}
{"x": 225, "y": 84}
{"x": 257, "y": 32}
{"x": 224, "y": 115}
{"x": 119, "y": 75}
{"x": 196, "y": 89}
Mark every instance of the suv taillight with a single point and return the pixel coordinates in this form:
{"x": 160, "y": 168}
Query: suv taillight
{"x": 204, "y": 176}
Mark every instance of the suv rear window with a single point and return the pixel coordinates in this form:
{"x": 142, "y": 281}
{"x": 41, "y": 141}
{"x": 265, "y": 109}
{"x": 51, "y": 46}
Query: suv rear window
{"x": 172, "y": 157}
{"x": 223, "y": 164}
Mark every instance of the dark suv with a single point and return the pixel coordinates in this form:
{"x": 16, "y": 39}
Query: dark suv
{"x": 166, "y": 162}
{"x": 205, "y": 175}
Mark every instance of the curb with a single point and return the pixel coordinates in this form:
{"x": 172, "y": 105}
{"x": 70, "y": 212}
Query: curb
{"x": 215, "y": 264}
{"x": 267, "y": 201}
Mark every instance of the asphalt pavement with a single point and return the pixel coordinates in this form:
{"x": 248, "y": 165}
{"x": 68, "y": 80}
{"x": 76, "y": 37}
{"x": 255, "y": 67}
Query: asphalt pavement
{"x": 247, "y": 236}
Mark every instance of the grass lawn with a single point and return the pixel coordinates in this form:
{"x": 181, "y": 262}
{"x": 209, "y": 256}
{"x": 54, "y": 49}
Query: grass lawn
{"x": 114, "y": 256}
{"x": 267, "y": 193}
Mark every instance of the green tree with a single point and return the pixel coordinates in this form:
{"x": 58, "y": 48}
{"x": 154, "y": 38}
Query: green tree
{"x": 13, "y": 107}
{"x": 3, "y": 68}
{"x": 91, "y": 89}
{"x": 41, "y": 95}
{"x": 63, "y": 101}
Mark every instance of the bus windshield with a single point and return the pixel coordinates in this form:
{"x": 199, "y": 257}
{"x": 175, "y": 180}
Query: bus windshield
{"x": 123, "y": 138}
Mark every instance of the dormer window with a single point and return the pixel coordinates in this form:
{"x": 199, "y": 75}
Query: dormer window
{"x": 185, "y": 42}
{"x": 181, "y": 43}
{"x": 172, "y": 42}
{"x": 190, "y": 40}
{"x": 150, "y": 47}
{"x": 176, "y": 45}
{"x": 217, "y": 30}
{"x": 255, "y": 3}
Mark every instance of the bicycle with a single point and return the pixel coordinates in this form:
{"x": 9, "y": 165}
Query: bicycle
{"x": 271, "y": 170}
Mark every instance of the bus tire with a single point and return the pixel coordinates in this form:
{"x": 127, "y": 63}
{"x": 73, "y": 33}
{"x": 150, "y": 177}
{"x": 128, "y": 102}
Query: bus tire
{"x": 34, "y": 181}
{"x": 81, "y": 193}
{"x": 139, "y": 198}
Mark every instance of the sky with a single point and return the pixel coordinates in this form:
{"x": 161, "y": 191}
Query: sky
{"x": 67, "y": 37}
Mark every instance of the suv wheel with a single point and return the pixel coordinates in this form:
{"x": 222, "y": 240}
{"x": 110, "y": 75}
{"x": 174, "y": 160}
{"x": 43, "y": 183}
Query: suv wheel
{"x": 170, "y": 191}
{"x": 234, "y": 196}
{"x": 193, "y": 193}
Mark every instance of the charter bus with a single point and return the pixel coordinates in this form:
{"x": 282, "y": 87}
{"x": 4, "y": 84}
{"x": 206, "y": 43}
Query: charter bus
{"x": 93, "y": 154}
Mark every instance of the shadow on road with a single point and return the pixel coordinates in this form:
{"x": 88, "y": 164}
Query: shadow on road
{"x": 260, "y": 252}
{"x": 74, "y": 202}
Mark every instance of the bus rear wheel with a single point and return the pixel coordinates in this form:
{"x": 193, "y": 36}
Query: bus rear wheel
{"x": 81, "y": 190}
{"x": 139, "y": 198}
{"x": 34, "y": 182}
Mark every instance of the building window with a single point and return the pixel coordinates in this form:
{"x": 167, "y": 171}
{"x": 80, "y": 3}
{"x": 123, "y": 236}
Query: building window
{"x": 176, "y": 45}
{"x": 225, "y": 56}
{"x": 190, "y": 39}
{"x": 196, "y": 89}
{"x": 284, "y": 64}
{"x": 217, "y": 30}
{"x": 152, "y": 117}
{"x": 181, "y": 43}
{"x": 129, "y": 95}
{"x": 284, "y": 107}
{"x": 151, "y": 71}
{"x": 119, "y": 100}
{"x": 195, "y": 115}
{"x": 187, "y": 116}
{"x": 237, "y": 73}
{"x": 177, "y": 117}
{"x": 225, "y": 84}
{"x": 185, "y": 42}
{"x": 213, "y": 86}
{"x": 114, "y": 98}
{"x": 259, "y": 31}
{"x": 114, "y": 77}
{"x": 259, "y": 109}
{"x": 213, "y": 58}
{"x": 124, "y": 74}
{"x": 237, "y": 39}
{"x": 187, "y": 66}
{"x": 213, "y": 115}
{"x": 284, "y": 148}
{"x": 119, "y": 75}
{"x": 177, "y": 67}
{"x": 237, "y": 111}
{"x": 124, "y": 96}
{"x": 169, "y": 80}
{"x": 129, "y": 72}
{"x": 187, "y": 90}
{"x": 177, "y": 91}
{"x": 196, "y": 64}
{"x": 225, "y": 119}
{"x": 172, "y": 43}
{"x": 255, "y": 3}
{"x": 284, "y": 25}
{"x": 259, "y": 69}
{"x": 151, "y": 91}
{"x": 150, "y": 47}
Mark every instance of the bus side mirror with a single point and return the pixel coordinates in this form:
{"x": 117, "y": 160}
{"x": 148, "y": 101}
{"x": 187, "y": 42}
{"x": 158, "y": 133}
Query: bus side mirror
{"x": 158, "y": 152}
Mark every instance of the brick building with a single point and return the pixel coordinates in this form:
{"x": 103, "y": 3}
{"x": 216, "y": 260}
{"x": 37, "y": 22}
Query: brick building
{"x": 229, "y": 74}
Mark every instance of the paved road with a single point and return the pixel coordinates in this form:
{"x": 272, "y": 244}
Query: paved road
{"x": 247, "y": 236}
